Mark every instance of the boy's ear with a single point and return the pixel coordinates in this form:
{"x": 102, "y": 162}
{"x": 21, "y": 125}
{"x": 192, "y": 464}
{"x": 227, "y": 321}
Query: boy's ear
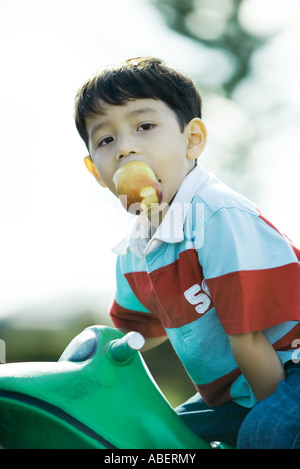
{"x": 93, "y": 170}
{"x": 196, "y": 133}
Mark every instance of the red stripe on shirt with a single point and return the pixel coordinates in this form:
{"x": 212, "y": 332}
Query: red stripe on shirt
{"x": 147, "y": 324}
{"x": 162, "y": 291}
{"x": 248, "y": 301}
{"x": 217, "y": 392}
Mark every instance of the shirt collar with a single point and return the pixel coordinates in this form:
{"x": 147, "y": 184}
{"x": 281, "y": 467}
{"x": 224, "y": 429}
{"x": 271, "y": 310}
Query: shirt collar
{"x": 141, "y": 241}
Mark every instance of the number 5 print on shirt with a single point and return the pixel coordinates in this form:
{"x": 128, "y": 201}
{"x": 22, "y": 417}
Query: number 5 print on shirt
{"x": 202, "y": 300}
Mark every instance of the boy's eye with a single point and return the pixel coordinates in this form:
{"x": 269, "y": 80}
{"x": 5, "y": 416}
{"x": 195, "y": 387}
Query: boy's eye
{"x": 105, "y": 141}
{"x": 146, "y": 126}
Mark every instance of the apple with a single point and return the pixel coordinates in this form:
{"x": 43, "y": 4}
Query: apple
{"x": 136, "y": 183}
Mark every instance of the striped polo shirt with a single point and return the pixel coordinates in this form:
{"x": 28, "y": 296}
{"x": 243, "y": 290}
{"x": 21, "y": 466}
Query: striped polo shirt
{"x": 215, "y": 266}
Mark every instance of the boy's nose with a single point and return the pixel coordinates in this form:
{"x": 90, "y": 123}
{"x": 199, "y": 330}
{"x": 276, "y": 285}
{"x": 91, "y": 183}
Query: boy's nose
{"x": 125, "y": 148}
{"x": 121, "y": 154}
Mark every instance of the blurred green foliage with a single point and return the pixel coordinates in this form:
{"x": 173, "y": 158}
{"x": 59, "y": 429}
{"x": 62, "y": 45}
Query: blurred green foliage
{"x": 224, "y": 61}
{"x": 216, "y": 25}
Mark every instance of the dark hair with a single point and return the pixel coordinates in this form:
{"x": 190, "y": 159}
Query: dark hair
{"x": 138, "y": 78}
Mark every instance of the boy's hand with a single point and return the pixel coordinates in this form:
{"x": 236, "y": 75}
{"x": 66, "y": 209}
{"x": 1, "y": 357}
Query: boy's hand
{"x": 258, "y": 362}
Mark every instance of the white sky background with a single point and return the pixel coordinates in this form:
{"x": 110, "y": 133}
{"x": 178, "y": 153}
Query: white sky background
{"x": 56, "y": 224}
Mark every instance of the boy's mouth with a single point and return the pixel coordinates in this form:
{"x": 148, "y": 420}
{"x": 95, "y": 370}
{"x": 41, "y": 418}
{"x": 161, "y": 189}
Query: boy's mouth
{"x": 137, "y": 182}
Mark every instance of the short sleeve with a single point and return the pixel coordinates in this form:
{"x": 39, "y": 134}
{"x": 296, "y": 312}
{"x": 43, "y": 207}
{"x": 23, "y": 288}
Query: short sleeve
{"x": 252, "y": 271}
{"x": 127, "y": 312}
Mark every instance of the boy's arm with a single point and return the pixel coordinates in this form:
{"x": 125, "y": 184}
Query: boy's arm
{"x": 150, "y": 342}
{"x": 258, "y": 362}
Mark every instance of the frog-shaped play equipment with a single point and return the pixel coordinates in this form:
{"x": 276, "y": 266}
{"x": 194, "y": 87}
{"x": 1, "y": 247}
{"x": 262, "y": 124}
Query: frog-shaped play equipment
{"x": 100, "y": 394}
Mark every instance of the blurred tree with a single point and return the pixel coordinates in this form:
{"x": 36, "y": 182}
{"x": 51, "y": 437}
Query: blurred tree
{"x": 219, "y": 27}
{"x": 215, "y": 24}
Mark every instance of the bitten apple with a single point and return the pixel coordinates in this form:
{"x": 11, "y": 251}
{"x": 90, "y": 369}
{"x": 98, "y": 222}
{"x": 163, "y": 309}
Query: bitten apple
{"x": 137, "y": 181}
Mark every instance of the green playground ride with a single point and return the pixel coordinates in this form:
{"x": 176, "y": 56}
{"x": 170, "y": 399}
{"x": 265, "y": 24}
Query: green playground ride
{"x": 100, "y": 394}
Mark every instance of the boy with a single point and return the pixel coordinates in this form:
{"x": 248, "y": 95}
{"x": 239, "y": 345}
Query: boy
{"x": 206, "y": 269}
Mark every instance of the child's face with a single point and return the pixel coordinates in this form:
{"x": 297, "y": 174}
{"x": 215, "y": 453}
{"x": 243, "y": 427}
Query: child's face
{"x": 141, "y": 130}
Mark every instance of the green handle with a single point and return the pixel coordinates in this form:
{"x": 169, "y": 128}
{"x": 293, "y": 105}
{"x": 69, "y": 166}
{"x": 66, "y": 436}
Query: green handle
{"x": 123, "y": 349}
